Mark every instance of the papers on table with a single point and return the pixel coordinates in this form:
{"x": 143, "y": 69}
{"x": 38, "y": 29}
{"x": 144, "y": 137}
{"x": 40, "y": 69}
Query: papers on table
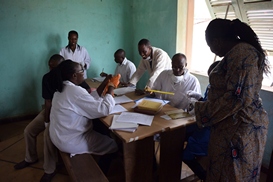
{"x": 118, "y": 108}
{"x": 131, "y": 117}
{"x": 122, "y": 99}
{"x": 122, "y": 126}
{"x": 99, "y": 79}
{"x": 163, "y": 102}
{"x": 123, "y": 90}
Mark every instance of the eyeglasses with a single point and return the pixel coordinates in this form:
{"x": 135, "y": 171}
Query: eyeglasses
{"x": 80, "y": 71}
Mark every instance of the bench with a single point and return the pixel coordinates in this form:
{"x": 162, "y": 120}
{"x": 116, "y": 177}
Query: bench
{"x": 83, "y": 168}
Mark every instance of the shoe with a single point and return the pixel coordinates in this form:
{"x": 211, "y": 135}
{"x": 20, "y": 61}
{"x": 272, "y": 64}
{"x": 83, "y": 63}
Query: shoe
{"x": 24, "y": 164}
{"x": 47, "y": 177}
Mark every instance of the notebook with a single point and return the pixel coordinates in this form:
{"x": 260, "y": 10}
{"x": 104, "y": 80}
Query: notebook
{"x": 122, "y": 126}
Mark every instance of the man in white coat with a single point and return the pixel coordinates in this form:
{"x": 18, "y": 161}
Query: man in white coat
{"x": 154, "y": 60}
{"x": 125, "y": 67}
{"x": 177, "y": 80}
{"x": 75, "y": 52}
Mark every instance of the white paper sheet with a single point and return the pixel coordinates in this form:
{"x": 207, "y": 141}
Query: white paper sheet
{"x": 123, "y": 90}
{"x": 132, "y": 117}
{"x": 118, "y": 108}
{"x": 122, "y": 126}
{"x": 99, "y": 79}
{"x": 122, "y": 99}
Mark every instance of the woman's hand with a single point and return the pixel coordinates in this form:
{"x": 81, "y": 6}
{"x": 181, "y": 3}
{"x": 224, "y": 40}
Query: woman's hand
{"x": 110, "y": 90}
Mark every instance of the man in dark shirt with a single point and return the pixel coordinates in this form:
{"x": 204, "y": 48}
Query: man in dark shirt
{"x": 40, "y": 124}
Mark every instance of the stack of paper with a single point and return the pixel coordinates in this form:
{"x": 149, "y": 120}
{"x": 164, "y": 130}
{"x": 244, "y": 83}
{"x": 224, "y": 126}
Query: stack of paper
{"x": 132, "y": 117}
{"x": 122, "y": 126}
{"x": 149, "y": 105}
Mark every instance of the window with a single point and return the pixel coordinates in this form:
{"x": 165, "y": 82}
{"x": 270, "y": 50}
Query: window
{"x": 257, "y": 13}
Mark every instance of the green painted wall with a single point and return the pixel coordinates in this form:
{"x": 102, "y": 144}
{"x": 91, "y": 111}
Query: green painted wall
{"x": 156, "y": 21}
{"x": 33, "y": 30}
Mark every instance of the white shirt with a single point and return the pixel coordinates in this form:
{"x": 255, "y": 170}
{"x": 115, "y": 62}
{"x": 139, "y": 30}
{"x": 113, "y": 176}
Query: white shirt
{"x": 179, "y": 99}
{"x": 160, "y": 61}
{"x": 70, "y": 124}
{"x": 126, "y": 69}
{"x": 80, "y": 55}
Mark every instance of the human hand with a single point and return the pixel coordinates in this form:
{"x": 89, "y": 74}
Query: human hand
{"x": 110, "y": 89}
{"x": 193, "y": 94}
{"x": 139, "y": 92}
{"x": 190, "y": 108}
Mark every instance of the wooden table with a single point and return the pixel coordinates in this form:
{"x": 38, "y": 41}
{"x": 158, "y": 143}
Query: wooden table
{"x": 138, "y": 146}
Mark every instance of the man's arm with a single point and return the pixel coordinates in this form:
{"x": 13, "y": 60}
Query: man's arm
{"x": 138, "y": 73}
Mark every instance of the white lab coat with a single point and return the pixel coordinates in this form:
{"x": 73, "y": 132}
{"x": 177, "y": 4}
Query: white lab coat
{"x": 160, "y": 61}
{"x": 71, "y": 121}
{"x": 179, "y": 99}
{"x": 126, "y": 69}
{"x": 80, "y": 55}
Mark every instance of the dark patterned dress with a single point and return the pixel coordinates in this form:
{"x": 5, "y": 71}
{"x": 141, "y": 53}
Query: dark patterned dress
{"x": 238, "y": 121}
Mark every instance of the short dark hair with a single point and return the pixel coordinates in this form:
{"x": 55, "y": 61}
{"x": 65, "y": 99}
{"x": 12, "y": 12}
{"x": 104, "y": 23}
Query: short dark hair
{"x": 144, "y": 42}
{"x": 56, "y": 58}
{"x": 180, "y": 55}
{"x": 73, "y": 32}
{"x": 120, "y": 51}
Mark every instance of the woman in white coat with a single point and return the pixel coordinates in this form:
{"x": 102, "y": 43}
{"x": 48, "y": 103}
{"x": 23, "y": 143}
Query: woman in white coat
{"x": 71, "y": 127}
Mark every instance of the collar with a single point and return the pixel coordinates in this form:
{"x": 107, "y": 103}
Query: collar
{"x": 125, "y": 60}
{"x": 67, "y": 82}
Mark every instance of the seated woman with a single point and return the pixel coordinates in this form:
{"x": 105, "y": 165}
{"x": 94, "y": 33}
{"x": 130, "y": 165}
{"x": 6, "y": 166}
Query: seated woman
{"x": 71, "y": 127}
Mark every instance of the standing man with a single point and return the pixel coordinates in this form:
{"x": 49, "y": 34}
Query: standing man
{"x": 125, "y": 67}
{"x": 76, "y": 52}
{"x": 154, "y": 60}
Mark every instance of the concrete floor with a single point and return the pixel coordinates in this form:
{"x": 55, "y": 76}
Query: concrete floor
{"x": 12, "y": 151}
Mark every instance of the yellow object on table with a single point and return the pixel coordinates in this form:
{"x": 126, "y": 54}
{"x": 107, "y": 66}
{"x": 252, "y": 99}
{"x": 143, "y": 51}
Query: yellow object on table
{"x": 149, "y": 105}
{"x": 159, "y": 91}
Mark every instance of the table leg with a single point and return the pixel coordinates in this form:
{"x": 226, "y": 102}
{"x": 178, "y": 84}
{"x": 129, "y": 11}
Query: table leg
{"x": 138, "y": 160}
{"x": 171, "y": 147}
